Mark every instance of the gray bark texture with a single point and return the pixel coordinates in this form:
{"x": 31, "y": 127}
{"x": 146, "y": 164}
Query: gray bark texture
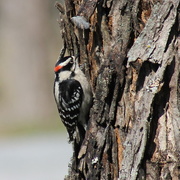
{"x": 131, "y": 56}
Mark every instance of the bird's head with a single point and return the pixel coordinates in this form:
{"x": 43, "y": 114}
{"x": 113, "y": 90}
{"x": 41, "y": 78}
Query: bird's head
{"x": 68, "y": 63}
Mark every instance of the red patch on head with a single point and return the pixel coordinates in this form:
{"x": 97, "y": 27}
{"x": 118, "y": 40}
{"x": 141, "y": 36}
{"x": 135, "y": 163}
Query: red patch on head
{"x": 57, "y": 68}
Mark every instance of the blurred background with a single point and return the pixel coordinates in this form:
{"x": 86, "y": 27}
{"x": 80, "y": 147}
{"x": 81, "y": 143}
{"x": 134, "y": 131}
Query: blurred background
{"x": 33, "y": 141}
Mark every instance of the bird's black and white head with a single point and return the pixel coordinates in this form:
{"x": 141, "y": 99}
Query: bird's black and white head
{"x": 68, "y": 63}
{"x": 66, "y": 67}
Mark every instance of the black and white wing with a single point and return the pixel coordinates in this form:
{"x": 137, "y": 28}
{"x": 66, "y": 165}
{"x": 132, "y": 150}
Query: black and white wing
{"x": 70, "y": 98}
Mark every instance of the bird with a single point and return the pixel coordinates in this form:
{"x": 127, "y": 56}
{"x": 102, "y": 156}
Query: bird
{"x": 73, "y": 96}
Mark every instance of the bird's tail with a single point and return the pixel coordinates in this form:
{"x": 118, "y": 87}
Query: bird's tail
{"x": 71, "y": 133}
{"x": 80, "y": 134}
{"x": 79, "y": 137}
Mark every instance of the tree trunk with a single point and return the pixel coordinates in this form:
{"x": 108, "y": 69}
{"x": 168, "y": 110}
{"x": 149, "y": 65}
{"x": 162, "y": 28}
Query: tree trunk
{"x": 130, "y": 53}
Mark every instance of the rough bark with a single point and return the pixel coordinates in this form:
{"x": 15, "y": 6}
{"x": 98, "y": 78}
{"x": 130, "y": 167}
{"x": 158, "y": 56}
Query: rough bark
{"x": 131, "y": 56}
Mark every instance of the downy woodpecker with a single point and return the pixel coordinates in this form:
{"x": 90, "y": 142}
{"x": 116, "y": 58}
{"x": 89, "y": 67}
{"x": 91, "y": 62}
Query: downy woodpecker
{"x": 73, "y": 96}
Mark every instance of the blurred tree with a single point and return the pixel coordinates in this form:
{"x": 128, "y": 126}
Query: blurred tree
{"x": 131, "y": 55}
{"x": 29, "y": 49}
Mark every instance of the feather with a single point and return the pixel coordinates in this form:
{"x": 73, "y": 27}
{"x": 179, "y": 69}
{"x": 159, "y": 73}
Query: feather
{"x": 80, "y": 22}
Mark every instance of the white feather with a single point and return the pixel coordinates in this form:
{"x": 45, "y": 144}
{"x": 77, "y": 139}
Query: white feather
{"x": 80, "y": 22}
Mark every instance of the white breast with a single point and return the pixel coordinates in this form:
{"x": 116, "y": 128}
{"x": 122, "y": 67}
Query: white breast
{"x": 56, "y": 92}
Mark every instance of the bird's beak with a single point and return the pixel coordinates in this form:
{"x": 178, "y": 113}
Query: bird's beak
{"x": 76, "y": 56}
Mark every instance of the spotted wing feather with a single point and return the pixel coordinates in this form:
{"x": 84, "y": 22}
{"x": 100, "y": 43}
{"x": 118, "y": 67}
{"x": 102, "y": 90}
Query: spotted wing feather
{"x": 70, "y": 98}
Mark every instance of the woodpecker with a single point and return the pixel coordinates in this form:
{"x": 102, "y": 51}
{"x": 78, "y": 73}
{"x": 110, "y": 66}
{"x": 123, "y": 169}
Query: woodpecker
{"x": 73, "y": 96}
